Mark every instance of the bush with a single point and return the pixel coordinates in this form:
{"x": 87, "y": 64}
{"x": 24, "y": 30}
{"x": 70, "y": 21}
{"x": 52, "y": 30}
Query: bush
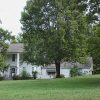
{"x": 25, "y": 75}
{"x": 16, "y": 77}
{"x": 96, "y": 72}
{"x": 61, "y": 76}
{"x": 74, "y": 71}
{"x": 34, "y": 73}
{"x": 1, "y": 77}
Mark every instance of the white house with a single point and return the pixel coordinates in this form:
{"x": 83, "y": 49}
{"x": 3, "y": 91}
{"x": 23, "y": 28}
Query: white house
{"x": 15, "y": 52}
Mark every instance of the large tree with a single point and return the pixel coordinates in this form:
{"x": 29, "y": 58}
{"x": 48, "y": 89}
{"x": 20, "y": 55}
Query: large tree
{"x": 54, "y": 31}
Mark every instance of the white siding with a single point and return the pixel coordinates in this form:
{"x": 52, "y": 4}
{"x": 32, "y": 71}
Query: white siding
{"x": 42, "y": 72}
{"x": 87, "y": 71}
{"x": 65, "y": 72}
{"x": 9, "y": 60}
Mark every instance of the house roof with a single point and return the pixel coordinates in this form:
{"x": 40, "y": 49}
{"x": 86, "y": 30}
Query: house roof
{"x": 16, "y": 48}
{"x": 19, "y": 48}
{"x": 69, "y": 65}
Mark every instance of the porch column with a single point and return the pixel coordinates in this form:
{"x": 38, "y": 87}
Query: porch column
{"x": 17, "y": 63}
{"x": 91, "y": 63}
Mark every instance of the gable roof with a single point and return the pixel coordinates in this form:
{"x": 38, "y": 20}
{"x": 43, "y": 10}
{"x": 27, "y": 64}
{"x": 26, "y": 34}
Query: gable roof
{"x": 19, "y": 48}
{"x": 16, "y": 48}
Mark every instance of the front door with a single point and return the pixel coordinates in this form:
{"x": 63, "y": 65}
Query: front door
{"x": 13, "y": 71}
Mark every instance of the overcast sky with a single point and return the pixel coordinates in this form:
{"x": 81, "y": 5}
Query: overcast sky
{"x": 10, "y": 14}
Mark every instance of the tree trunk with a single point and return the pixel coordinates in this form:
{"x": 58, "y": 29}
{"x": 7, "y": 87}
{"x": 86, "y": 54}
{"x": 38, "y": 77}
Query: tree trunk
{"x": 57, "y": 63}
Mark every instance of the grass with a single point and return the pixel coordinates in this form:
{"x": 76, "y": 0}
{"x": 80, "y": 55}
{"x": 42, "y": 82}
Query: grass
{"x": 80, "y": 88}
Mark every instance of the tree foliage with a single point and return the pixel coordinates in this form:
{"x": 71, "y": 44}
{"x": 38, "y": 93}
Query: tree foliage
{"x": 54, "y": 31}
{"x": 3, "y": 65}
{"x": 93, "y": 18}
{"x": 17, "y": 39}
{"x": 93, "y": 15}
{"x": 94, "y": 46}
{"x": 4, "y": 38}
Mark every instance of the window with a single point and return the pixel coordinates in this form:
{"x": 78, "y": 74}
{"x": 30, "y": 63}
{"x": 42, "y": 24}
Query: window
{"x": 24, "y": 68}
{"x": 32, "y": 68}
{"x": 13, "y": 57}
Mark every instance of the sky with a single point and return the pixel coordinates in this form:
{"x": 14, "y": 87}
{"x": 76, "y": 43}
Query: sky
{"x": 10, "y": 14}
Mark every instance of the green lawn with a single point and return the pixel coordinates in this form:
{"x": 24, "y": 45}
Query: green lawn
{"x": 82, "y": 88}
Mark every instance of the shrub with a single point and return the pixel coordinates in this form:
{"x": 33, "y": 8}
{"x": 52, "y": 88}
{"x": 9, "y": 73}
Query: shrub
{"x": 16, "y": 77}
{"x": 74, "y": 71}
{"x": 80, "y": 73}
{"x": 34, "y": 73}
{"x": 25, "y": 75}
{"x": 96, "y": 72}
{"x": 1, "y": 77}
{"x": 61, "y": 76}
